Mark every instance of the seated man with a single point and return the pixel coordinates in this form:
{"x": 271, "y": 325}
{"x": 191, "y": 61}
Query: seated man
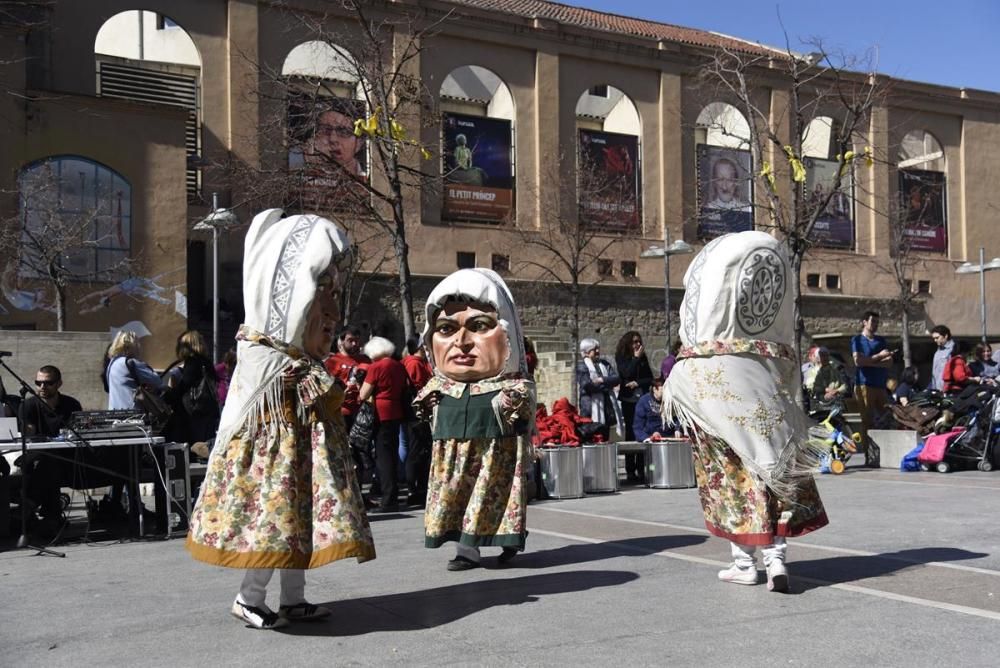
{"x": 43, "y": 417}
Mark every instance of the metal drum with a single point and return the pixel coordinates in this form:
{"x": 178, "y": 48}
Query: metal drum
{"x": 669, "y": 464}
{"x": 562, "y": 472}
{"x": 600, "y": 467}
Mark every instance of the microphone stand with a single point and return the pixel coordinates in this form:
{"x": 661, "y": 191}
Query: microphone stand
{"x": 24, "y": 541}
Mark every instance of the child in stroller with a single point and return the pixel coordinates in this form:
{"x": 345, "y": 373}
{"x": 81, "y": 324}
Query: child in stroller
{"x": 829, "y": 388}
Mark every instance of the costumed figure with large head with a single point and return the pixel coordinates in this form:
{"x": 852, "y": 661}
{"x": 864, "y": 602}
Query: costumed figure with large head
{"x": 280, "y": 489}
{"x": 734, "y": 389}
{"x": 481, "y": 404}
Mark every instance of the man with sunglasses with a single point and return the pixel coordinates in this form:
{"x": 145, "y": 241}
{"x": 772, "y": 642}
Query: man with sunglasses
{"x": 45, "y": 421}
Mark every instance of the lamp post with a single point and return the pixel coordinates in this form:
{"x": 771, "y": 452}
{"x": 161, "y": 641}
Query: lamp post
{"x": 225, "y": 219}
{"x": 678, "y": 247}
{"x": 981, "y": 269}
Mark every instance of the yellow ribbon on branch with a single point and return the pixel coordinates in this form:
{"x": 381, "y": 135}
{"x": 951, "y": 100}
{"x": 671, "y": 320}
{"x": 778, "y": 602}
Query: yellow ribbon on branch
{"x": 767, "y": 172}
{"x": 798, "y": 169}
{"x": 371, "y": 127}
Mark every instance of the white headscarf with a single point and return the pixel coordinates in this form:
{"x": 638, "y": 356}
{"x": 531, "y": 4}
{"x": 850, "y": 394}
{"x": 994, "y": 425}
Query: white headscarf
{"x": 482, "y": 286}
{"x": 736, "y": 377}
{"x": 282, "y": 262}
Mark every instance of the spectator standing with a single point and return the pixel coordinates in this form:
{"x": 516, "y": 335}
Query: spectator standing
{"x": 597, "y": 381}
{"x": 223, "y": 374}
{"x": 941, "y": 336}
{"x": 348, "y": 365}
{"x": 192, "y": 392}
{"x": 386, "y": 382}
{"x": 530, "y": 356}
{"x": 417, "y": 432}
{"x": 636, "y": 379}
{"x": 126, "y": 372}
{"x": 872, "y": 359}
{"x": 829, "y": 387}
{"x": 667, "y": 365}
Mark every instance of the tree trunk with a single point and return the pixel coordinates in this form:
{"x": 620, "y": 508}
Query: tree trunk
{"x": 60, "y": 308}
{"x": 905, "y": 337}
{"x": 401, "y": 247}
{"x": 575, "y": 342}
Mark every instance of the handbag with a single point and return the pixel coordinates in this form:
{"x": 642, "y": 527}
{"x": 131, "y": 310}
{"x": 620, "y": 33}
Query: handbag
{"x": 203, "y": 398}
{"x": 363, "y": 429}
{"x": 148, "y": 400}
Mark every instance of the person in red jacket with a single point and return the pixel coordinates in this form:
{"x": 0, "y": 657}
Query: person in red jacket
{"x": 957, "y": 375}
{"x": 386, "y": 383}
{"x": 348, "y": 365}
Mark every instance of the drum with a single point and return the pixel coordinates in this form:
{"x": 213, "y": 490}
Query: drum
{"x": 562, "y": 472}
{"x": 669, "y": 464}
{"x": 600, "y": 467}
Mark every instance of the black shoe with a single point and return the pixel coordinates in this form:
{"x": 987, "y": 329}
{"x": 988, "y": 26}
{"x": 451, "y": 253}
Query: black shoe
{"x": 461, "y": 563}
{"x": 507, "y": 554}
{"x": 418, "y": 500}
{"x": 389, "y": 508}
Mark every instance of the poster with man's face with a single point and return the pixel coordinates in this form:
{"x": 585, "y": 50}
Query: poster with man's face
{"x": 609, "y": 181}
{"x": 478, "y": 168}
{"x": 725, "y": 191}
{"x": 834, "y": 227}
{"x": 325, "y": 152}
{"x": 922, "y": 207}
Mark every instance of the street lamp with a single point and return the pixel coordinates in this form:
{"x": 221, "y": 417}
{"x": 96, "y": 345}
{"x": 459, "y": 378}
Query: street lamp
{"x": 981, "y": 269}
{"x": 679, "y": 247}
{"x": 224, "y": 219}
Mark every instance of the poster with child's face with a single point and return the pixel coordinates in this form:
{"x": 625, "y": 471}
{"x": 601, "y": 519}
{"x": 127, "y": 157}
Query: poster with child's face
{"x": 725, "y": 191}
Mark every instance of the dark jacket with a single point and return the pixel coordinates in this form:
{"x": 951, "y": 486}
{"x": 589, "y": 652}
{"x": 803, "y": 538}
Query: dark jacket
{"x": 634, "y": 369}
{"x": 587, "y": 388}
{"x": 184, "y": 427}
{"x": 647, "y": 419}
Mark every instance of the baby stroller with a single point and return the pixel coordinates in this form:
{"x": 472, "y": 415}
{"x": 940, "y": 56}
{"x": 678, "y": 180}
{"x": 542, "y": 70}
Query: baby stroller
{"x": 975, "y": 443}
{"x": 835, "y": 430}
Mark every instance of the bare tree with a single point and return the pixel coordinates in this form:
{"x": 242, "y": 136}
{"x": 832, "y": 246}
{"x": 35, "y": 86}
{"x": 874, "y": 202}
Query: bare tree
{"x": 67, "y": 231}
{"x": 374, "y": 88}
{"x": 574, "y": 238}
{"x": 780, "y": 94}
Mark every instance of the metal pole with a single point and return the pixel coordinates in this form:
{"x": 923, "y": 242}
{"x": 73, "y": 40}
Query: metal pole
{"x": 666, "y": 279}
{"x": 215, "y": 282}
{"x": 982, "y": 290}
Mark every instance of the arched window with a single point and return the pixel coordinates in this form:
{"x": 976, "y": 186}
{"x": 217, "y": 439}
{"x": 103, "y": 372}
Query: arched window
{"x": 609, "y": 160}
{"x": 922, "y": 192}
{"x": 323, "y": 87}
{"x": 725, "y": 171}
{"x": 147, "y": 57}
{"x": 76, "y": 213}
{"x": 477, "y": 135}
{"x": 834, "y": 227}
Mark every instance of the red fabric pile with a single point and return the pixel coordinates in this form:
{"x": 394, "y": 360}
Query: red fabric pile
{"x": 560, "y": 427}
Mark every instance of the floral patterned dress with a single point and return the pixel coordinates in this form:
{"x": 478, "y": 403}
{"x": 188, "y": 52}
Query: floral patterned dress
{"x": 739, "y": 508}
{"x": 477, "y": 489}
{"x": 284, "y": 496}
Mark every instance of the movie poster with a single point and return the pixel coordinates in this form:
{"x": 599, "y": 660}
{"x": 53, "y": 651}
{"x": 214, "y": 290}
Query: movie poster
{"x": 325, "y": 154}
{"x": 609, "y": 181}
{"x": 725, "y": 191}
{"x": 478, "y": 168}
{"x": 922, "y": 199}
{"x": 834, "y": 227}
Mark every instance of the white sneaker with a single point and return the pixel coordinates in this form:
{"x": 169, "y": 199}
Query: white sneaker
{"x": 258, "y": 618}
{"x": 777, "y": 576}
{"x": 737, "y": 575}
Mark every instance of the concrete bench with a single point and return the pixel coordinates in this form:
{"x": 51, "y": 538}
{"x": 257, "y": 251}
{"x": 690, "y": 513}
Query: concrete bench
{"x": 893, "y": 444}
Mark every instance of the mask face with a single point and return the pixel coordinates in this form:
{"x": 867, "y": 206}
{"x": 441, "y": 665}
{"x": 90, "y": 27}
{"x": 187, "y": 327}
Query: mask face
{"x": 324, "y": 315}
{"x": 468, "y": 342}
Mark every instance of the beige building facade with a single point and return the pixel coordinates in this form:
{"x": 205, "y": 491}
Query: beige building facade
{"x": 549, "y": 70}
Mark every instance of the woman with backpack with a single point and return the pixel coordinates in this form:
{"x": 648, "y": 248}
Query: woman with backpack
{"x": 191, "y": 392}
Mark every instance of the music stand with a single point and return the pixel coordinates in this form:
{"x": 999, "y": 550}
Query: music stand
{"x": 23, "y": 540}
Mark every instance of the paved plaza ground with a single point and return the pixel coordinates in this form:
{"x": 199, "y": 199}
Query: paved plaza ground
{"x": 907, "y": 574}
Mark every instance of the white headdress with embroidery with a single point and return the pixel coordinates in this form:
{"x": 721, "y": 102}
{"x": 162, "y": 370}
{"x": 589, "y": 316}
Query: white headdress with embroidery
{"x": 283, "y": 260}
{"x": 736, "y": 378}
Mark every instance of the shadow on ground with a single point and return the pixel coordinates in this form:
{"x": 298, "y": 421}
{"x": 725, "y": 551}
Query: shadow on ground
{"x": 579, "y": 553}
{"x": 841, "y": 570}
{"x": 429, "y": 608}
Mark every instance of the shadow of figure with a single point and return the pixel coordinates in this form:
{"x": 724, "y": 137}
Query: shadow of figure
{"x": 428, "y": 608}
{"x": 840, "y": 570}
{"x": 579, "y": 553}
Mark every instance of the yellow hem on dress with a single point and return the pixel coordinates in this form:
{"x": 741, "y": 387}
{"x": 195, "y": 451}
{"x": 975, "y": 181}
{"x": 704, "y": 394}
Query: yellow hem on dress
{"x": 232, "y": 559}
